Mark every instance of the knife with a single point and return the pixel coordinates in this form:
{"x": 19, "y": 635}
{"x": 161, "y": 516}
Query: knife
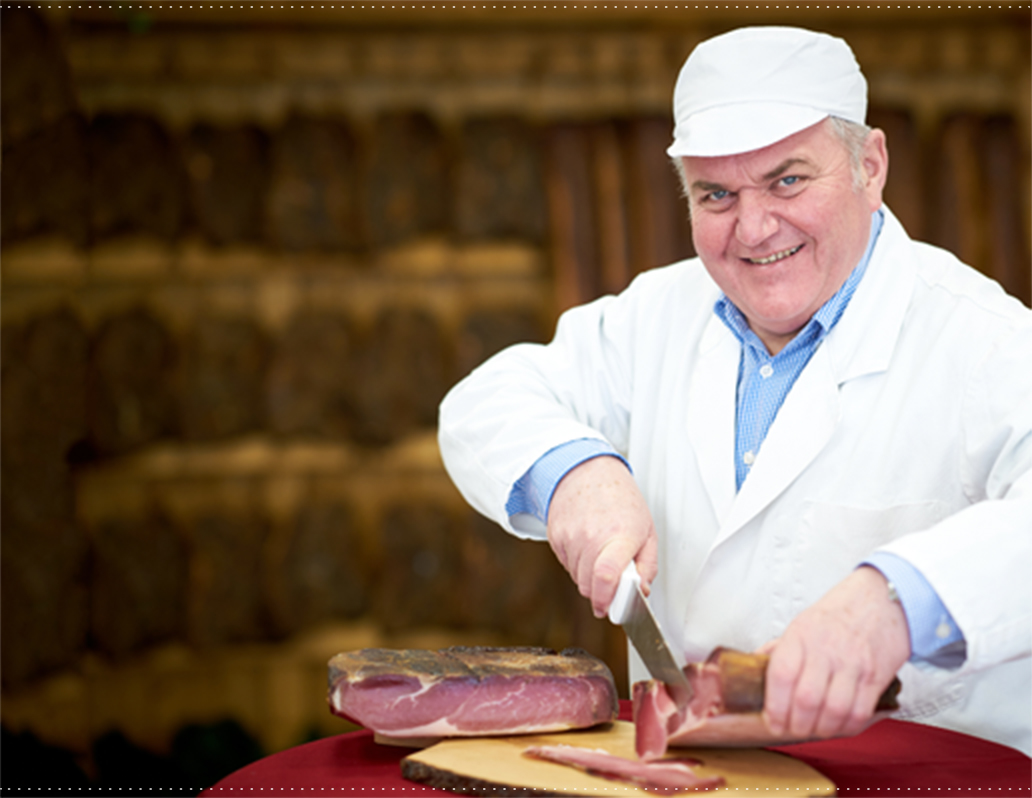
{"x": 630, "y": 610}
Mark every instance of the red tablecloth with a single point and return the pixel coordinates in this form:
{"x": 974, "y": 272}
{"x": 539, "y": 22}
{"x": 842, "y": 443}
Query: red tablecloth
{"x": 890, "y": 758}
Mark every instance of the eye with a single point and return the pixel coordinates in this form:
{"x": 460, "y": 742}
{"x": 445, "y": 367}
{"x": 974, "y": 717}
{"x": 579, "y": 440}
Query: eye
{"x": 718, "y": 195}
{"x": 789, "y": 184}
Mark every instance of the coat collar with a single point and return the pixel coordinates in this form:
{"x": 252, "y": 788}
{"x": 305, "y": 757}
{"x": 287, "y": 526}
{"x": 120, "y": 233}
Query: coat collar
{"x": 861, "y": 343}
{"x": 865, "y": 337}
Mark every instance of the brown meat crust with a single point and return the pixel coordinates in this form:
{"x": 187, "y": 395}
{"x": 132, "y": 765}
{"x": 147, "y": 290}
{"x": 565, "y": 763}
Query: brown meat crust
{"x": 458, "y": 662}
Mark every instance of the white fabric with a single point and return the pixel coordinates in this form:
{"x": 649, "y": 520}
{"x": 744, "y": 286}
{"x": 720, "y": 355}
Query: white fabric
{"x": 746, "y": 89}
{"x": 909, "y": 431}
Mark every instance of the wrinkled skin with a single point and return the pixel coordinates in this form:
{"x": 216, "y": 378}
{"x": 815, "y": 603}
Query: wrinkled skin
{"x": 780, "y": 229}
{"x": 597, "y": 523}
{"x": 835, "y": 658}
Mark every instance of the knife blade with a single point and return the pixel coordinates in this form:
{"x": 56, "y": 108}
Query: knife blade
{"x": 630, "y": 610}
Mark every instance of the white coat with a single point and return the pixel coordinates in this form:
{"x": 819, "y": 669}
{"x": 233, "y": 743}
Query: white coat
{"x": 909, "y": 431}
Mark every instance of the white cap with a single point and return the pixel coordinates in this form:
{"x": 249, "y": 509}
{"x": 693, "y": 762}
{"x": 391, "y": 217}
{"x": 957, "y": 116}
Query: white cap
{"x": 751, "y": 87}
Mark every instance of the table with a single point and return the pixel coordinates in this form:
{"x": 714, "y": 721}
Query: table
{"x": 892, "y": 758}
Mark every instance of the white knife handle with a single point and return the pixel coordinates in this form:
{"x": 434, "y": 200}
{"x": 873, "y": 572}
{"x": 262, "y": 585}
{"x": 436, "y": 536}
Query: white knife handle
{"x": 621, "y": 606}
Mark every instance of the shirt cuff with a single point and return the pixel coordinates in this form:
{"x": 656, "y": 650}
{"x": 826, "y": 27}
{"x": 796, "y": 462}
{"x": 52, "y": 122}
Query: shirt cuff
{"x": 532, "y": 493}
{"x": 935, "y": 637}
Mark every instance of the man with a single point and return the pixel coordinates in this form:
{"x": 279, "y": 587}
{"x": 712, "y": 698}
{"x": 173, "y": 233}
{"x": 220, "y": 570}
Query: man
{"x": 815, "y": 439}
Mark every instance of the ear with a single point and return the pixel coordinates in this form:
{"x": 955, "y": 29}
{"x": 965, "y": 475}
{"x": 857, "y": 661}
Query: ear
{"x": 875, "y": 164}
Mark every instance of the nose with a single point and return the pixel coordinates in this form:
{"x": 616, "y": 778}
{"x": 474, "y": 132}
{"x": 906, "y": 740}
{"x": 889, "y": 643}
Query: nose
{"x": 755, "y": 222}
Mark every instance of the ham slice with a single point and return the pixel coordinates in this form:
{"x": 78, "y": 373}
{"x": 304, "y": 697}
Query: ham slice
{"x": 726, "y": 708}
{"x": 666, "y": 776}
{"x": 471, "y": 691}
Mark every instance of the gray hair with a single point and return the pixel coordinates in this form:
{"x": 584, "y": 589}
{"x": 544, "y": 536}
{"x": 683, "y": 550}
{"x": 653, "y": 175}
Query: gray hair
{"x": 853, "y": 136}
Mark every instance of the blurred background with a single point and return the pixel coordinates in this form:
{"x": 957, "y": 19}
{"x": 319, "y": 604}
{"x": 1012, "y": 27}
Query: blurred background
{"x": 245, "y": 252}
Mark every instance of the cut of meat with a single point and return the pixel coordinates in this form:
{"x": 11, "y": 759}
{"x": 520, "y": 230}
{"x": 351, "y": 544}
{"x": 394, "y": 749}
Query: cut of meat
{"x": 657, "y": 719}
{"x": 471, "y": 691}
{"x": 665, "y": 776}
{"x": 726, "y": 708}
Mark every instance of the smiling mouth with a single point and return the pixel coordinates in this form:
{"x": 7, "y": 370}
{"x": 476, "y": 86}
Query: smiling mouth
{"x": 775, "y": 257}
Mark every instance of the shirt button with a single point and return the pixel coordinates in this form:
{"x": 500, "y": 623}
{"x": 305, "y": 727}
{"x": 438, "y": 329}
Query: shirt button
{"x": 942, "y": 631}
{"x": 766, "y": 370}
{"x": 748, "y": 458}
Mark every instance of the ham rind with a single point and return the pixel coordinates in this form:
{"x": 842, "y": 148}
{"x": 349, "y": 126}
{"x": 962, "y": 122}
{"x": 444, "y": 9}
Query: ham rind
{"x": 468, "y": 692}
{"x": 726, "y": 708}
{"x": 666, "y": 776}
{"x": 658, "y": 721}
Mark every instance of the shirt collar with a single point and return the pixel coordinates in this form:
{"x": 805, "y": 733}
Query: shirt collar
{"x": 823, "y": 320}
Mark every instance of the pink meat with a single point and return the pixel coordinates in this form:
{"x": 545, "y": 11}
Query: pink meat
{"x": 666, "y": 776}
{"x": 464, "y": 692}
{"x": 726, "y": 708}
{"x": 657, "y": 719}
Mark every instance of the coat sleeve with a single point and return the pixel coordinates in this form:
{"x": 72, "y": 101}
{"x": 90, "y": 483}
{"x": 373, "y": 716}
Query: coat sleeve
{"x": 530, "y": 398}
{"x": 979, "y": 560}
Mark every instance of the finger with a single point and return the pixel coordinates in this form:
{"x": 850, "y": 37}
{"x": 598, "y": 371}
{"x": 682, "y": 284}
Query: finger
{"x": 583, "y": 572}
{"x": 808, "y": 698}
{"x": 562, "y": 538}
{"x": 578, "y": 557}
{"x": 611, "y": 562}
{"x": 839, "y": 704}
{"x": 864, "y": 703}
{"x": 786, "y": 662}
{"x": 768, "y": 647}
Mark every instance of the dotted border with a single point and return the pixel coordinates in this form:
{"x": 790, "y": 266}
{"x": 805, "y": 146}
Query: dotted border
{"x": 278, "y": 6}
{"x": 502, "y": 790}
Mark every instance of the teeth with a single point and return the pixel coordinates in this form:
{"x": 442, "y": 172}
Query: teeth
{"x": 776, "y": 256}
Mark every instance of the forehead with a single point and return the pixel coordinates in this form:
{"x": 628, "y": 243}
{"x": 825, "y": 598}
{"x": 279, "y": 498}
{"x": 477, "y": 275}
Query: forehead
{"x": 816, "y": 146}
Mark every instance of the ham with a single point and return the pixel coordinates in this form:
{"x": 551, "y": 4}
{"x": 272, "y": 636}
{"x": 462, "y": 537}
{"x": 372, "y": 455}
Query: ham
{"x": 666, "y": 776}
{"x": 471, "y": 691}
{"x": 726, "y": 707}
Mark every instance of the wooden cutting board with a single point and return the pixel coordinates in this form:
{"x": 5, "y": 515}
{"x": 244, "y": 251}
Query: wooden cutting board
{"x": 496, "y": 766}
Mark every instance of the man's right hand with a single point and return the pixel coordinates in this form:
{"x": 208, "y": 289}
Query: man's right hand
{"x": 597, "y": 523}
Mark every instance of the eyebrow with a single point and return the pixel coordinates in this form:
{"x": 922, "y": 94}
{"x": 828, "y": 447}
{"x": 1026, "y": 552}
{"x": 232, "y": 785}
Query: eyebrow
{"x": 777, "y": 171}
{"x": 784, "y": 166}
{"x": 703, "y": 185}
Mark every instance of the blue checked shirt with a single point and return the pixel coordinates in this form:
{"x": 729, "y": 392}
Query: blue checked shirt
{"x": 763, "y": 384}
{"x": 764, "y": 381}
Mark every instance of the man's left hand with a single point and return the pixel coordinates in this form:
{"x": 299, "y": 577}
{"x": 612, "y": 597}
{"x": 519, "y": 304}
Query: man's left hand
{"x": 828, "y": 669}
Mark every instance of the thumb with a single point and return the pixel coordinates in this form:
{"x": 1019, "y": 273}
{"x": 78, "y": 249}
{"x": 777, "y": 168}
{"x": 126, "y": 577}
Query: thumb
{"x": 647, "y": 561}
{"x": 609, "y": 566}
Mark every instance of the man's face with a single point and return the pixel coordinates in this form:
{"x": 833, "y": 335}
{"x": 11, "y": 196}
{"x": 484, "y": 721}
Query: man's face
{"x": 780, "y": 229}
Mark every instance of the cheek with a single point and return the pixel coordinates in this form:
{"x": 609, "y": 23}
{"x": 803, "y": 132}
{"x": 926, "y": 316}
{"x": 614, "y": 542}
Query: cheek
{"x": 708, "y": 236}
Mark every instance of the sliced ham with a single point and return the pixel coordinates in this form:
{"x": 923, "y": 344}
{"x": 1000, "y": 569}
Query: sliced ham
{"x": 665, "y": 776}
{"x": 726, "y": 707}
{"x": 471, "y": 691}
{"x": 658, "y": 721}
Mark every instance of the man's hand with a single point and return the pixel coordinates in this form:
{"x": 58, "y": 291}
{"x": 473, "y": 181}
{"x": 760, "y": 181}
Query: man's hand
{"x": 597, "y": 523}
{"x": 828, "y": 669}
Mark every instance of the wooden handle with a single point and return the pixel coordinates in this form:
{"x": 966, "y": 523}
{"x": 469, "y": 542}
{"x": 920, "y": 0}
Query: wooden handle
{"x": 743, "y": 682}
